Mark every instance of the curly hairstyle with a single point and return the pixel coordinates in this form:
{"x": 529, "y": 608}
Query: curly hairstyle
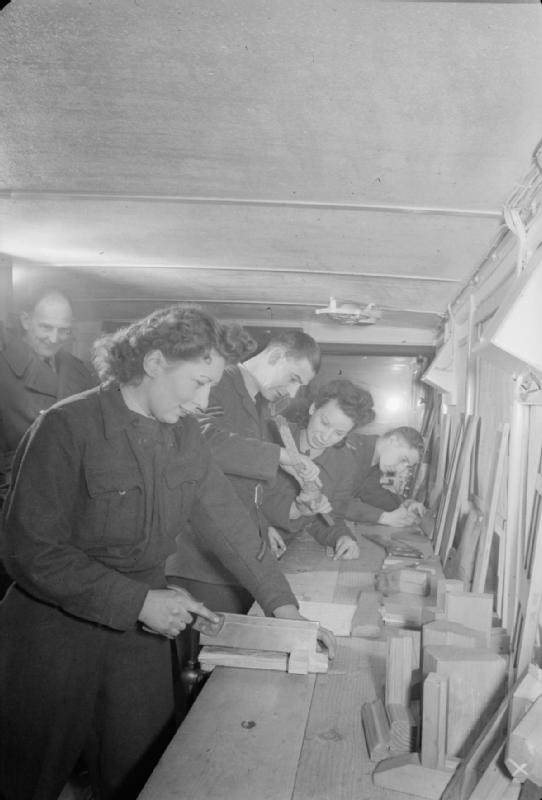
{"x": 355, "y": 402}
{"x": 181, "y": 332}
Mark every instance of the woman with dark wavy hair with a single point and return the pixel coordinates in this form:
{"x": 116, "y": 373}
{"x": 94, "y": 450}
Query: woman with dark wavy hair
{"x": 103, "y": 483}
{"x": 338, "y": 407}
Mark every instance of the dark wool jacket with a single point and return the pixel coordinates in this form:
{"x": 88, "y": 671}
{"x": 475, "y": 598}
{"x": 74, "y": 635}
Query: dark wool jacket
{"x": 369, "y": 498}
{"x": 238, "y": 435}
{"x": 89, "y": 523}
{"x": 28, "y": 386}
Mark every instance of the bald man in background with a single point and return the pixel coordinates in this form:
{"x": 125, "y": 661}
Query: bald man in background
{"x": 36, "y": 371}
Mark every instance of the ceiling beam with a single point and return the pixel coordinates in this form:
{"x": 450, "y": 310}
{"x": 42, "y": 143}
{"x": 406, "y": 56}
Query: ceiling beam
{"x": 245, "y": 201}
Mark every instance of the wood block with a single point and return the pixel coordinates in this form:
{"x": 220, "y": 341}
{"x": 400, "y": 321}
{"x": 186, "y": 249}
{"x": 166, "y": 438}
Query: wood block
{"x": 476, "y": 684}
{"x": 399, "y": 670}
{"x": 403, "y": 729}
{"x": 471, "y": 610}
{"x": 367, "y": 621}
{"x": 404, "y": 610}
{"x": 336, "y": 617}
{"x": 527, "y": 691}
{"x": 405, "y": 774}
{"x": 212, "y": 656}
{"x": 434, "y": 719}
{"x": 524, "y": 747}
{"x": 444, "y": 632}
{"x": 376, "y": 727}
{"x": 415, "y": 636}
{"x": 298, "y": 662}
{"x": 264, "y": 633}
{"x": 446, "y": 585}
{"x": 318, "y": 662}
{"x": 409, "y": 580}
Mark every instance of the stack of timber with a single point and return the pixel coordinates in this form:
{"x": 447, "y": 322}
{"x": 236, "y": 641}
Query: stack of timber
{"x": 462, "y": 682}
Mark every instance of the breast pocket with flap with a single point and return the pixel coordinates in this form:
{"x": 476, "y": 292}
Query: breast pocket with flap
{"x": 116, "y": 505}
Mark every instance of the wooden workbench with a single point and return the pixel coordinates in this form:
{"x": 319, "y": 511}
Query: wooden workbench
{"x": 265, "y": 735}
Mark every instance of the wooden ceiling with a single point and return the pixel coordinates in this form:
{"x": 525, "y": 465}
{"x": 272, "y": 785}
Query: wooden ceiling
{"x": 263, "y": 155}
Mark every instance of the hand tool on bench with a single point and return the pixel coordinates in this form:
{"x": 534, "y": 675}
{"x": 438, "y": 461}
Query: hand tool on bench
{"x": 309, "y": 487}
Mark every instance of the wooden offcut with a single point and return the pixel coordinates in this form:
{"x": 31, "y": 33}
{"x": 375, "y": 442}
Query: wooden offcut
{"x": 528, "y": 689}
{"x": 376, "y": 727}
{"x": 399, "y": 670}
{"x": 471, "y": 610}
{"x": 476, "y": 684}
{"x": 434, "y": 721}
{"x": 406, "y": 774}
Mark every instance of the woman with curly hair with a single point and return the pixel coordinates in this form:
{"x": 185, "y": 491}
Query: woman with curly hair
{"x": 103, "y": 483}
{"x": 338, "y": 407}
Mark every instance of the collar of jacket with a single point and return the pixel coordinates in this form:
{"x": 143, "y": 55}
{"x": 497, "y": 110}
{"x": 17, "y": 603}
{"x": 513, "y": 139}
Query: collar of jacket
{"x": 242, "y": 390}
{"x": 116, "y": 415}
{"x": 19, "y": 356}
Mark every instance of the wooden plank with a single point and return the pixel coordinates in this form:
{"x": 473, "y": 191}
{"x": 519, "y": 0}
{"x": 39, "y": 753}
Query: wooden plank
{"x": 211, "y": 656}
{"x": 264, "y": 633}
{"x": 472, "y": 767}
{"x": 495, "y": 783}
{"x": 471, "y": 610}
{"x": 241, "y": 739}
{"x": 458, "y": 490}
{"x": 461, "y": 562}
{"x": 399, "y": 670}
{"x": 435, "y": 705}
{"x": 495, "y": 486}
{"x": 524, "y": 747}
{"x": 530, "y": 585}
{"x": 333, "y": 760}
{"x": 442, "y": 462}
{"x": 529, "y": 688}
{"x": 476, "y": 684}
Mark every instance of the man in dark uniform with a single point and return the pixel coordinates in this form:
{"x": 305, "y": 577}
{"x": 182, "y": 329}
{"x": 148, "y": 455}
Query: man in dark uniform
{"x": 36, "y": 371}
{"x": 238, "y": 429}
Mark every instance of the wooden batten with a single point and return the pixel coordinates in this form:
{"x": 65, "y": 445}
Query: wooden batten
{"x": 434, "y": 712}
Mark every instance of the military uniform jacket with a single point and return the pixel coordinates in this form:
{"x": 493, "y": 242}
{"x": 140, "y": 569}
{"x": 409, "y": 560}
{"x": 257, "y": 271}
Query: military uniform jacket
{"x": 236, "y": 433}
{"x": 87, "y": 521}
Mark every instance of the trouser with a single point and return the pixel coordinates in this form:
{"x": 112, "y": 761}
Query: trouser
{"x": 69, "y": 686}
